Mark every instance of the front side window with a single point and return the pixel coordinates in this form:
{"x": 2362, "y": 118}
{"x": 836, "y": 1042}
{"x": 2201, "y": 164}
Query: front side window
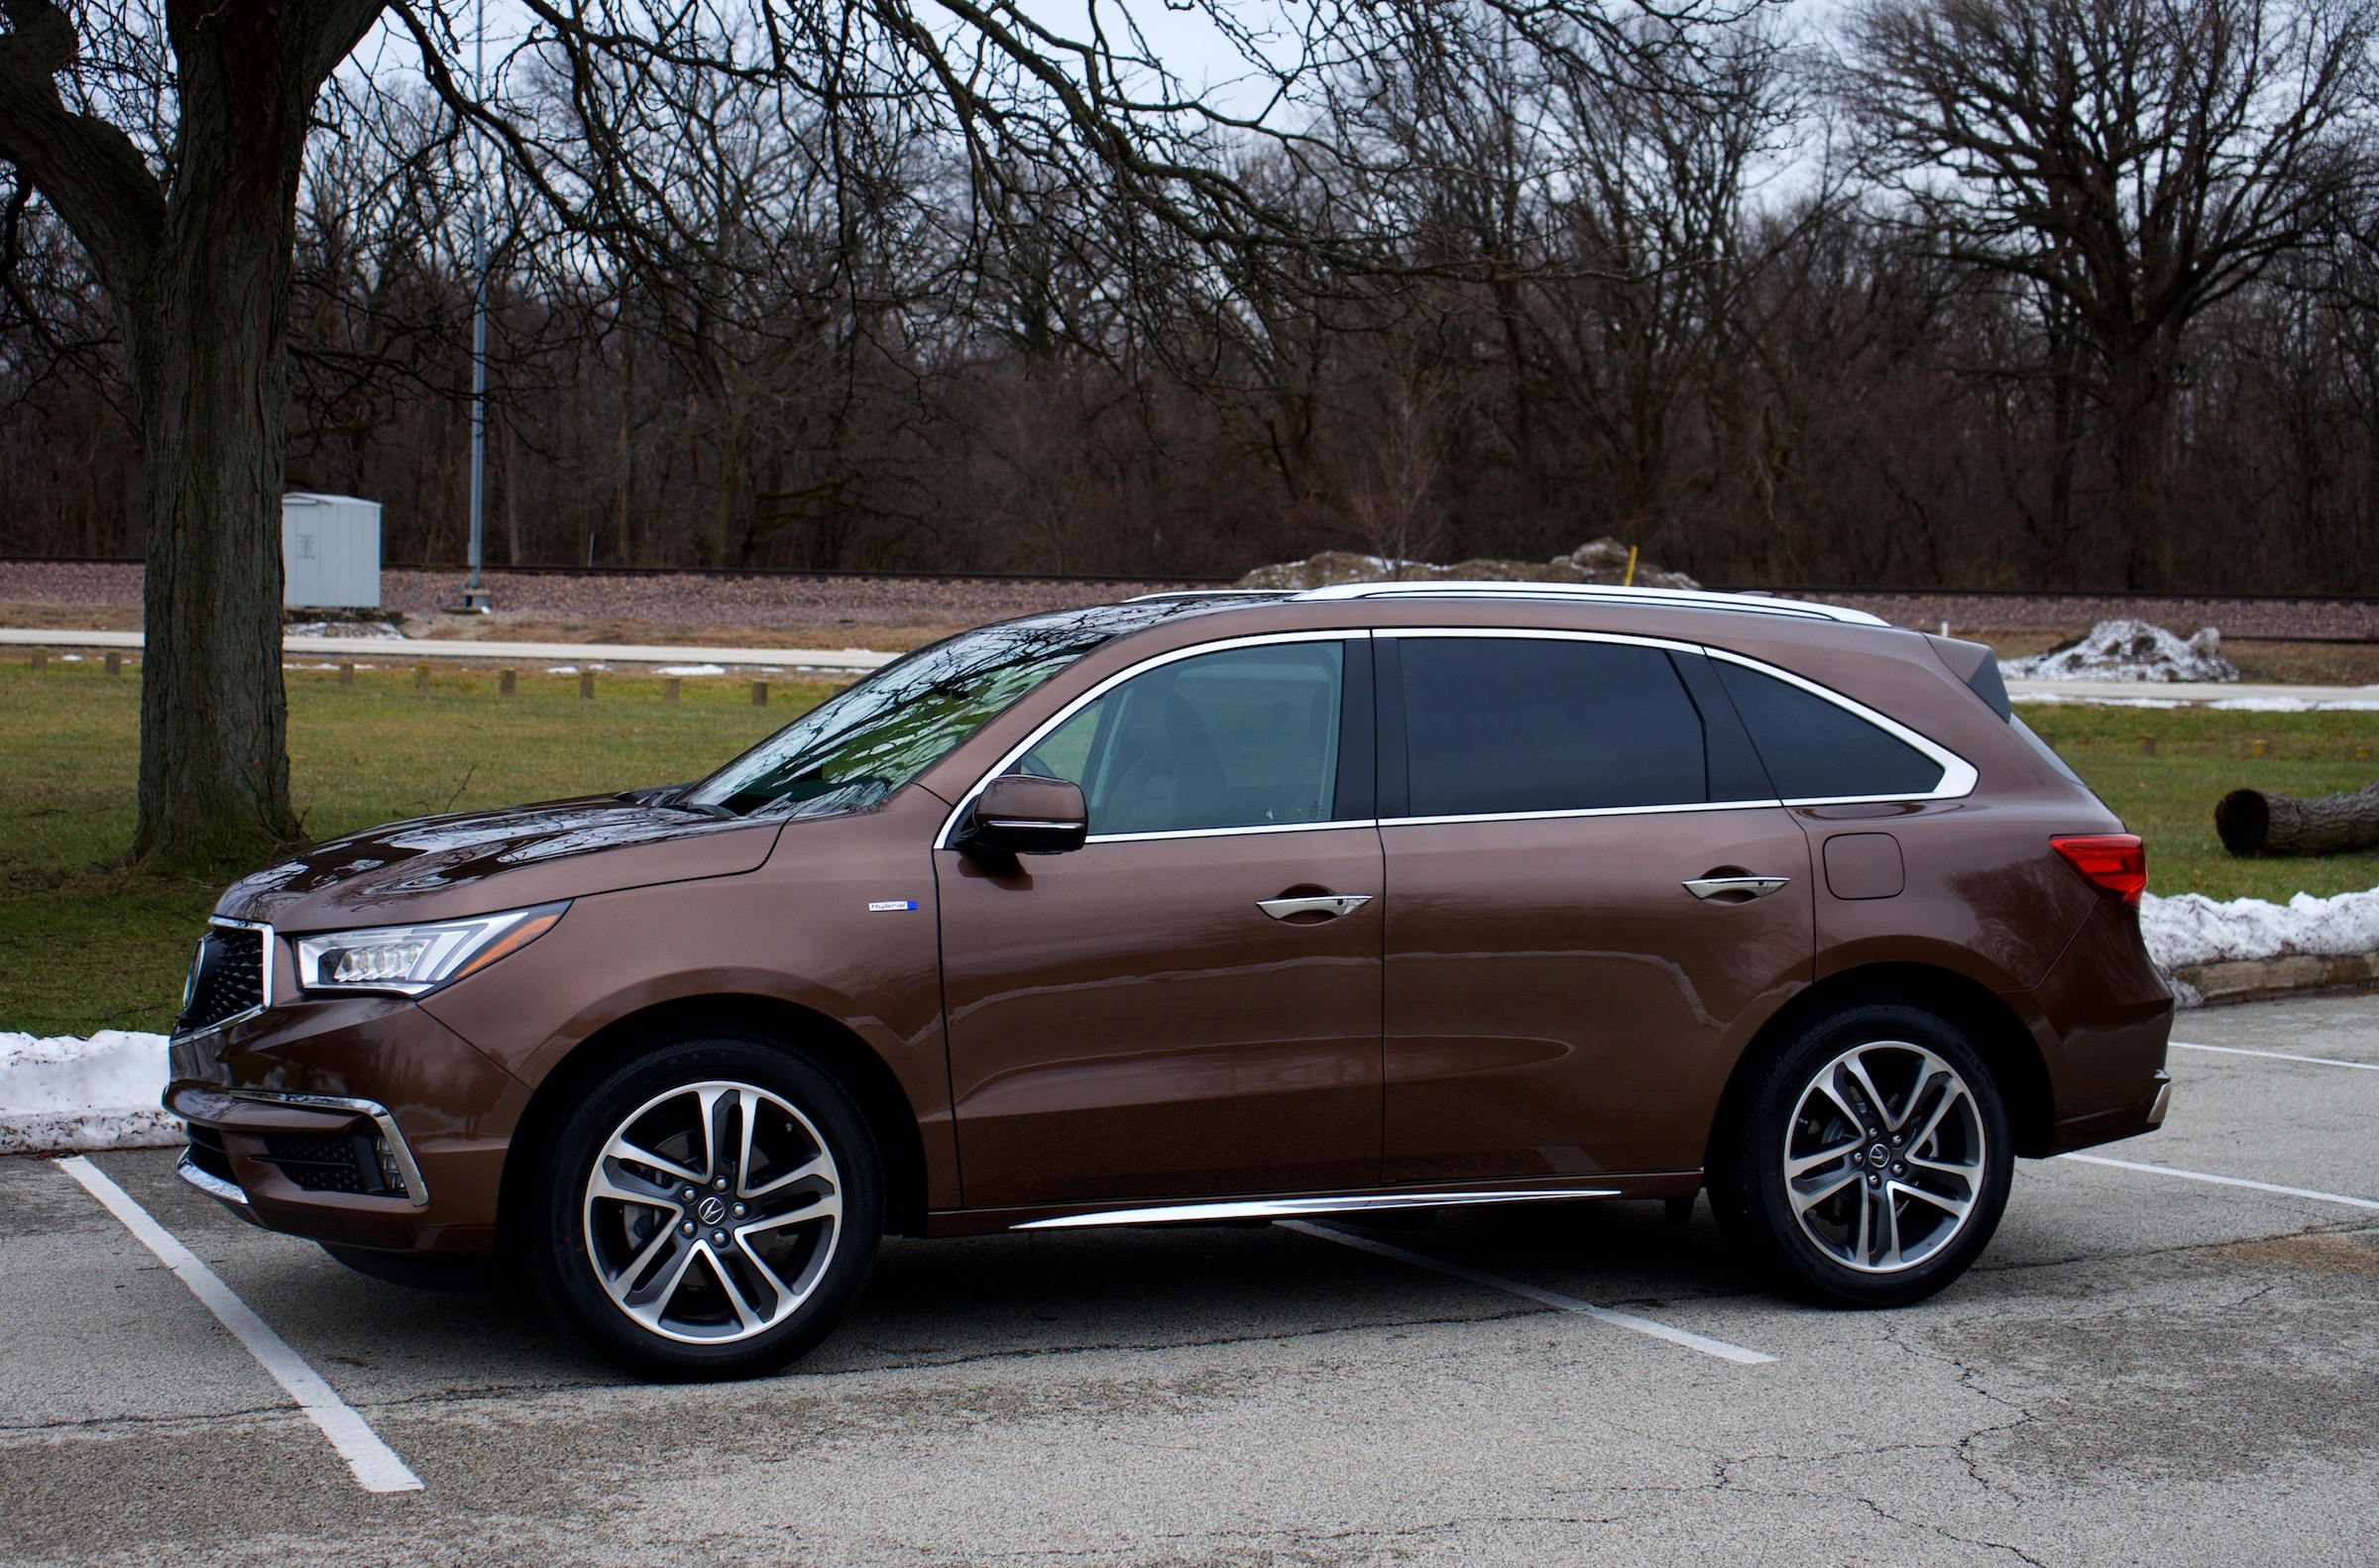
{"x": 1496, "y": 726}
{"x": 1819, "y": 750}
{"x": 1241, "y": 738}
{"x": 857, "y": 747}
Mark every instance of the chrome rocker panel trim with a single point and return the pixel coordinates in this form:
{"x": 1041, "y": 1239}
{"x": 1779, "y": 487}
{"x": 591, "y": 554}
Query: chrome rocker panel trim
{"x": 1289, "y": 1207}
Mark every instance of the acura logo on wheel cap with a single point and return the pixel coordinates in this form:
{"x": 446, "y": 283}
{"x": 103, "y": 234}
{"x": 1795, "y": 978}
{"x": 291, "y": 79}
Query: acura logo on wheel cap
{"x": 711, "y": 1211}
{"x": 1879, "y": 1156}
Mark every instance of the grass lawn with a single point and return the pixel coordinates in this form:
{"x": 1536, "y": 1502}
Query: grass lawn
{"x": 86, "y": 944}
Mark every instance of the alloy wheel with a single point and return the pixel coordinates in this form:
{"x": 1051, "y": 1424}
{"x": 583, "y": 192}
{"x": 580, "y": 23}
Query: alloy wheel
{"x": 1883, "y": 1159}
{"x": 711, "y": 1212}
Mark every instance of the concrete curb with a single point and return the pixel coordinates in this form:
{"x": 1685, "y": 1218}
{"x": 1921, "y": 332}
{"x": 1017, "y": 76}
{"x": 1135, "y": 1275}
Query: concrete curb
{"x": 2251, "y": 979}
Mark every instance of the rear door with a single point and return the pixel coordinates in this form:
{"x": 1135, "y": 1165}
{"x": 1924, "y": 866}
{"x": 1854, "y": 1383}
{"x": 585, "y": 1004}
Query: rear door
{"x": 1593, "y": 895}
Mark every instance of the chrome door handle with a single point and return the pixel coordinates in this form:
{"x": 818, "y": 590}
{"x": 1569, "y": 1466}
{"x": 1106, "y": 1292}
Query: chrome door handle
{"x": 1749, "y": 887}
{"x": 1328, "y": 905}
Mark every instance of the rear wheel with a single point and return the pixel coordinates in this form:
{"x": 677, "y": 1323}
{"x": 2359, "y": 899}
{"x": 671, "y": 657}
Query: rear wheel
{"x": 1870, "y": 1161}
{"x": 709, "y": 1210}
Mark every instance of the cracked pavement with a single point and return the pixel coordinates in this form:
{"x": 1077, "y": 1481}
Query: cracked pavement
{"x": 2141, "y": 1370}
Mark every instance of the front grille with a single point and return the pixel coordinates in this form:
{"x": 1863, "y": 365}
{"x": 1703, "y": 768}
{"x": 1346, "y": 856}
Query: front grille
{"x": 227, "y": 978}
{"x": 357, "y": 1163}
{"x": 206, "y": 1152}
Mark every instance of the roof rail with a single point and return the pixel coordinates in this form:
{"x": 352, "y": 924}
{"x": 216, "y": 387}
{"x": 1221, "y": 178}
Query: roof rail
{"x": 1212, "y": 593}
{"x": 1674, "y": 598}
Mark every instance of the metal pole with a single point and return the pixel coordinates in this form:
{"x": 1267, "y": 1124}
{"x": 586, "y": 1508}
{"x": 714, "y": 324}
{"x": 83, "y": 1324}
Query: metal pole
{"x": 473, "y": 597}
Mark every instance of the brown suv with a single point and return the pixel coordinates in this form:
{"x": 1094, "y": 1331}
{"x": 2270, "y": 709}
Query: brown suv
{"x": 1209, "y": 907}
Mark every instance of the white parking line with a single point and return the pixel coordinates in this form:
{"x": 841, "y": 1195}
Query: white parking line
{"x": 2277, "y": 1056}
{"x": 376, "y": 1465}
{"x": 2224, "y": 1181}
{"x": 1567, "y": 1303}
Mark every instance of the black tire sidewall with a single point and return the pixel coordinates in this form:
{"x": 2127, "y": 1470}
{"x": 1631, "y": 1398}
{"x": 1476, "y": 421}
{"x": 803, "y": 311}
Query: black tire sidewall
{"x": 1747, "y": 1179}
{"x": 565, "y": 1276}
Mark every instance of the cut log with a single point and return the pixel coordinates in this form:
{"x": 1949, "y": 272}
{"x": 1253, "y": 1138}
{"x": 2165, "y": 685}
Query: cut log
{"x": 2254, "y": 823}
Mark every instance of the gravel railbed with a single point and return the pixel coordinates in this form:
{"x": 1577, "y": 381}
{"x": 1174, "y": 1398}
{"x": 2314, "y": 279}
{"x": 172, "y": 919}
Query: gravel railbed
{"x": 760, "y": 602}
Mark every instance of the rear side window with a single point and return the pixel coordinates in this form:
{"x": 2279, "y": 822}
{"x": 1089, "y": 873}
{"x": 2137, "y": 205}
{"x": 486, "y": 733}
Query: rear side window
{"x": 1500, "y": 724}
{"x": 1817, "y": 750}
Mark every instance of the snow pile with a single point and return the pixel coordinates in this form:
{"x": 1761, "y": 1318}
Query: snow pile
{"x": 359, "y": 630}
{"x": 2128, "y": 650}
{"x": 2194, "y": 929}
{"x": 63, "y": 1095}
{"x": 691, "y": 669}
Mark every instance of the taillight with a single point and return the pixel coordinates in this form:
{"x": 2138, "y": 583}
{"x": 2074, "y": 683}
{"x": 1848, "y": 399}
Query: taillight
{"x": 2115, "y": 863}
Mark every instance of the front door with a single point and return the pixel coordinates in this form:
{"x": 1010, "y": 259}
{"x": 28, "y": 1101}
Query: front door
{"x": 1129, "y": 1020}
{"x": 1560, "y": 1002}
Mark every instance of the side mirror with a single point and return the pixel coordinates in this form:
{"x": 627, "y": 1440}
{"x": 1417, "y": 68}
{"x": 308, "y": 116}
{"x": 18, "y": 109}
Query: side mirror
{"x": 1019, "y": 813}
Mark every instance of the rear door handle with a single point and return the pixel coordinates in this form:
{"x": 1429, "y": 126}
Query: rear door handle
{"x": 1736, "y": 889}
{"x": 1329, "y": 906}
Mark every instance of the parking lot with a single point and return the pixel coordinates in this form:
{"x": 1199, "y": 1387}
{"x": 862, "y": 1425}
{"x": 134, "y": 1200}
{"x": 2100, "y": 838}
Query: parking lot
{"x": 2145, "y": 1368}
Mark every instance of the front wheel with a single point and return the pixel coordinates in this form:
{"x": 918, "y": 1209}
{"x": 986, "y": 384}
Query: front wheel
{"x": 708, "y": 1210}
{"x": 1870, "y": 1161}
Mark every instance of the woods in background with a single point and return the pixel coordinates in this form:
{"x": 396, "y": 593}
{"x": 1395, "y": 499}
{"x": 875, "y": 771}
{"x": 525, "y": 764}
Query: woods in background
{"x": 2012, "y": 293}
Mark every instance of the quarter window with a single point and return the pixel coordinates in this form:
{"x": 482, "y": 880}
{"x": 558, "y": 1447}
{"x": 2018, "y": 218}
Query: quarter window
{"x": 1819, "y": 750}
{"x": 1502, "y": 724}
{"x": 1242, "y": 738}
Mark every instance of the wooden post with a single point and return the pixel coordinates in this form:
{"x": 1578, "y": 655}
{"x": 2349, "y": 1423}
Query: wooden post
{"x": 508, "y": 683}
{"x": 41, "y": 661}
{"x": 669, "y": 690}
{"x": 347, "y": 674}
{"x": 586, "y": 686}
{"x": 115, "y": 664}
{"x": 759, "y": 694}
{"x": 421, "y": 678}
{"x": 2259, "y": 748}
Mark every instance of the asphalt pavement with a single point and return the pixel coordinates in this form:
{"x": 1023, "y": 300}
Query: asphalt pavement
{"x": 2145, "y": 1368}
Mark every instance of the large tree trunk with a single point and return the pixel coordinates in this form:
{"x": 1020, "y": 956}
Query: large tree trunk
{"x": 2140, "y": 404}
{"x": 2254, "y": 823}
{"x": 207, "y": 334}
{"x": 199, "y": 277}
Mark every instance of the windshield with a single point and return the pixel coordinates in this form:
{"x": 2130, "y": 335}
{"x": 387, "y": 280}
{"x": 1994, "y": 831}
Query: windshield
{"x": 860, "y": 745}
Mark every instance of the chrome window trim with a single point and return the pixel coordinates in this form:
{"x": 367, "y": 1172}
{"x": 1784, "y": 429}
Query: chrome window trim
{"x": 1957, "y": 776}
{"x": 1957, "y": 780}
{"x": 958, "y": 813}
{"x": 1584, "y": 811}
{"x": 416, "y": 1191}
{"x": 269, "y": 945}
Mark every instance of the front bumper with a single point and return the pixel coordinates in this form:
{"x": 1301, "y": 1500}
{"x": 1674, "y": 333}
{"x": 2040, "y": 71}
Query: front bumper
{"x": 360, "y": 1120}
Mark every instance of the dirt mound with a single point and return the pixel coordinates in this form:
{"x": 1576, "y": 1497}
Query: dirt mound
{"x": 2128, "y": 650}
{"x": 1602, "y": 561}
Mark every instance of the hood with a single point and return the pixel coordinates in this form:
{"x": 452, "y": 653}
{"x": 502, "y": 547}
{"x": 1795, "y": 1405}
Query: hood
{"x": 445, "y": 867}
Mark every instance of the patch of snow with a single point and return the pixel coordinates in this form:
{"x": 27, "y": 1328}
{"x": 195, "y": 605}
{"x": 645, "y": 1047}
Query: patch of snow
{"x": 362, "y": 630}
{"x": 691, "y": 669}
{"x": 2128, "y": 650}
{"x": 2052, "y": 699}
{"x": 2190, "y": 928}
{"x": 561, "y": 669}
{"x": 63, "y": 1095}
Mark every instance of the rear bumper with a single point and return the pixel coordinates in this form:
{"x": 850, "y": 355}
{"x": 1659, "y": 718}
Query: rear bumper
{"x": 2102, "y": 1016}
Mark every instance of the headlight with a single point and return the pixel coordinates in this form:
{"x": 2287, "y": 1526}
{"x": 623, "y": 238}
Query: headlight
{"x": 414, "y": 958}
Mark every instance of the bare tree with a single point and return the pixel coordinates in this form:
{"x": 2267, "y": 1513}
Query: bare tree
{"x": 2138, "y": 161}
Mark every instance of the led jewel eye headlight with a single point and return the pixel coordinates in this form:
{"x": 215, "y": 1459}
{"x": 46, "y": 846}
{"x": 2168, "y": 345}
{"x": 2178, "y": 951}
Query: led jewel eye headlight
{"x": 411, "y": 960}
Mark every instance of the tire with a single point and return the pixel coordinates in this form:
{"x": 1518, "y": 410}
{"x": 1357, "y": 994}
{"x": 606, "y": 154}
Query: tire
{"x": 420, "y": 1271}
{"x": 1928, "y": 1203}
{"x": 707, "y": 1259}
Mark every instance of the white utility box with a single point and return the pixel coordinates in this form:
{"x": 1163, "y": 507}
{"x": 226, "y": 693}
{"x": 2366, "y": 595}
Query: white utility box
{"x": 330, "y": 552}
